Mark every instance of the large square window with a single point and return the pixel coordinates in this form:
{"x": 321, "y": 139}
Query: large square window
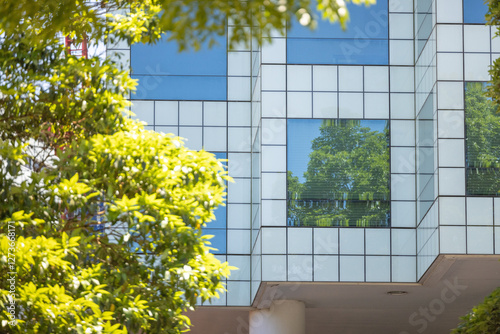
{"x": 338, "y": 173}
{"x": 482, "y": 124}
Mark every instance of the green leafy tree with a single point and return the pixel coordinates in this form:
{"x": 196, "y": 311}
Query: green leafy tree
{"x": 347, "y": 178}
{"x": 101, "y": 219}
{"x": 484, "y": 318}
{"x": 113, "y": 243}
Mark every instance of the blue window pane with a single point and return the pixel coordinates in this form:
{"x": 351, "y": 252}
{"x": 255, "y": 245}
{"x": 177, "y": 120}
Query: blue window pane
{"x": 165, "y": 73}
{"x": 218, "y": 227}
{"x": 164, "y": 58}
{"x": 365, "y": 42}
{"x": 221, "y": 155}
{"x": 474, "y": 11}
{"x": 338, "y": 51}
{"x": 164, "y": 87}
{"x": 220, "y": 218}
{"x": 218, "y": 241}
{"x": 221, "y": 211}
{"x": 366, "y": 22}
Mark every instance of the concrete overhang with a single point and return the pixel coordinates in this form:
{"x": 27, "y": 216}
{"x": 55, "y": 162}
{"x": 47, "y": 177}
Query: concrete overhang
{"x": 448, "y": 290}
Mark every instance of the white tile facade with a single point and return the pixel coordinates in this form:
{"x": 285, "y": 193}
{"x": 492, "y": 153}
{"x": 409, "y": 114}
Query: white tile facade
{"x": 420, "y": 92}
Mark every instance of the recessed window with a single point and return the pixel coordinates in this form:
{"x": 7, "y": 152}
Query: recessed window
{"x": 424, "y": 25}
{"x": 338, "y": 173}
{"x": 482, "y": 141}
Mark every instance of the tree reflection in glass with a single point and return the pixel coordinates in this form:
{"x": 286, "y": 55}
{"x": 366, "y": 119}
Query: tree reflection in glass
{"x": 482, "y": 141}
{"x": 338, "y": 172}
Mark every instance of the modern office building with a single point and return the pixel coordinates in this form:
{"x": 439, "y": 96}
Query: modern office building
{"x": 365, "y": 164}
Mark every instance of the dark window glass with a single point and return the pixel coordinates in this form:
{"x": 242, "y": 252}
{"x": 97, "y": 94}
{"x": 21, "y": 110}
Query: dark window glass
{"x": 218, "y": 227}
{"x": 474, "y": 11}
{"x": 166, "y": 73}
{"x": 426, "y": 150}
{"x": 364, "y": 42}
{"x": 482, "y": 142}
{"x": 423, "y": 24}
{"x": 338, "y": 172}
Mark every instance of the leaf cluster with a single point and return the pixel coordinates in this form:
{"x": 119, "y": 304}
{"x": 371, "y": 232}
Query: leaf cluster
{"x": 484, "y": 318}
{"x": 115, "y": 236}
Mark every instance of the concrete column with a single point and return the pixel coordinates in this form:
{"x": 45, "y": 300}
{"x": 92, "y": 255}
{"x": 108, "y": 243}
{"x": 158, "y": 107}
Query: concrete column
{"x": 283, "y": 317}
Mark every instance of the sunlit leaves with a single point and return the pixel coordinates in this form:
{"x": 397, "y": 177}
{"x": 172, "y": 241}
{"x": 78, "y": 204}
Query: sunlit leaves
{"x": 156, "y": 195}
{"x": 189, "y": 22}
{"x": 56, "y": 99}
{"x": 484, "y": 318}
{"x": 107, "y": 215}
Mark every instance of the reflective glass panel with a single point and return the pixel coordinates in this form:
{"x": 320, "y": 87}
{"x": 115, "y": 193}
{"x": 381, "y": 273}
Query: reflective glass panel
{"x": 218, "y": 227}
{"x": 167, "y": 87}
{"x": 423, "y": 24}
{"x": 426, "y": 150}
{"x": 482, "y": 125}
{"x": 364, "y": 42}
{"x": 337, "y": 51}
{"x": 218, "y": 241}
{"x": 164, "y": 58}
{"x": 474, "y": 11}
{"x": 165, "y": 73}
{"x": 365, "y": 22}
{"x": 338, "y": 172}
